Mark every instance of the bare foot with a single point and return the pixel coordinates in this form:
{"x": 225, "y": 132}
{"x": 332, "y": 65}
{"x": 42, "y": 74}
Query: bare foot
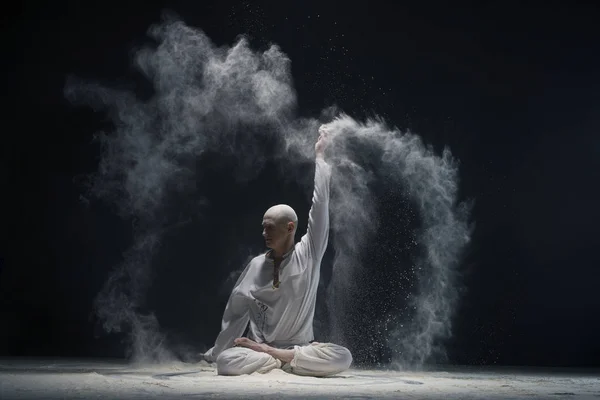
{"x": 281, "y": 354}
{"x": 251, "y": 344}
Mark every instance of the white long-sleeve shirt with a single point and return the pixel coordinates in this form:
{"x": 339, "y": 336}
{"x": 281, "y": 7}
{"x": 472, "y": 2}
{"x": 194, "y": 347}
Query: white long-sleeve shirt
{"x": 281, "y": 317}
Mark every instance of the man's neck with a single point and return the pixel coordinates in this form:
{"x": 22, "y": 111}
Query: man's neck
{"x": 278, "y": 254}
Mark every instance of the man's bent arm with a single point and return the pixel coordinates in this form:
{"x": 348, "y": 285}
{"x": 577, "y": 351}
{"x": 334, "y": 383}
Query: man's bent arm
{"x": 235, "y": 321}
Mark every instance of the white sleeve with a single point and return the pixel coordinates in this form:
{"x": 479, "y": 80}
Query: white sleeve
{"x": 314, "y": 243}
{"x": 235, "y": 321}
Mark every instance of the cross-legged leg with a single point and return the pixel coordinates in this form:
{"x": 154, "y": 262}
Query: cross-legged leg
{"x": 320, "y": 359}
{"x": 317, "y": 359}
{"x": 242, "y": 361}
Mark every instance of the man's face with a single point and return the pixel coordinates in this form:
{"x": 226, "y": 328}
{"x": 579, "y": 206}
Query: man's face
{"x": 275, "y": 232}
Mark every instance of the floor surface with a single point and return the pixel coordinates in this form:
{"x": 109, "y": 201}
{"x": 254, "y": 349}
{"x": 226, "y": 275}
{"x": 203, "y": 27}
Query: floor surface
{"x": 110, "y": 379}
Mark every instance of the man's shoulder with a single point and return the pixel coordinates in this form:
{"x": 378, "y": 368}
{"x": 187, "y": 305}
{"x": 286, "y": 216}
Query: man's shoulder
{"x": 257, "y": 260}
{"x": 261, "y": 256}
{"x": 252, "y": 269}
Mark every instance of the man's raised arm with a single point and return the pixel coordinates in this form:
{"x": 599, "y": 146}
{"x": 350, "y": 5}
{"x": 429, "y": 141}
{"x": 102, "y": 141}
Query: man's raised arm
{"x": 316, "y": 238}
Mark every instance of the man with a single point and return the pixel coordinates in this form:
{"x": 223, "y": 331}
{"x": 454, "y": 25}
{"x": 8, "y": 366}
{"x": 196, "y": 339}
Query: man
{"x": 276, "y": 294}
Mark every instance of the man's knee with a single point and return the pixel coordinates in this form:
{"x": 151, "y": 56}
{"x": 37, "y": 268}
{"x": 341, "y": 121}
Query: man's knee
{"x": 333, "y": 360}
{"x": 228, "y": 362}
{"x": 341, "y": 359}
{"x": 243, "y": 361}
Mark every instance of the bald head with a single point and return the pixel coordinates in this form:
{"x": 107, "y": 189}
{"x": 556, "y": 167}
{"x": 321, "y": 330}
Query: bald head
{"x": 279, "y": 227}
{"x": 281, "y": 213}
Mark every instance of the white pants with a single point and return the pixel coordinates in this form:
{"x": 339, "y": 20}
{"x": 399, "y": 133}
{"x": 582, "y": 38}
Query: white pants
{"x": 322, "y": 359}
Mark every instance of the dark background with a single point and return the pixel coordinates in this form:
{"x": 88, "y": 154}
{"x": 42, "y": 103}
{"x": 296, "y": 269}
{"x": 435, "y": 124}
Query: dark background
{"x": 514, "y": 91}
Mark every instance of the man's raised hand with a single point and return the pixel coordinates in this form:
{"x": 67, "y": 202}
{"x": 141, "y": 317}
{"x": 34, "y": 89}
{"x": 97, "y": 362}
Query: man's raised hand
{"x": 322, "y": 141}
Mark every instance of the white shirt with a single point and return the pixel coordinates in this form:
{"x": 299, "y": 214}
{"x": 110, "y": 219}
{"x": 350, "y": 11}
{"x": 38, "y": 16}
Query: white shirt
{"x": 281, "y": 317}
